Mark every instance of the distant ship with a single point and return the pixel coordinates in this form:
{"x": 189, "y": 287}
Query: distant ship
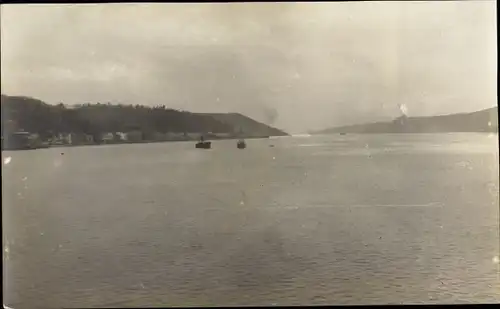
{"x": 202, "y": 144}
{"x": 241, "y": 144}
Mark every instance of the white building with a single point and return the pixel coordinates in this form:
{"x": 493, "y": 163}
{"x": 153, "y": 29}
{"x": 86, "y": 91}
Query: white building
{"x": 122, "y": 136}
{"x": 108, "y": 137}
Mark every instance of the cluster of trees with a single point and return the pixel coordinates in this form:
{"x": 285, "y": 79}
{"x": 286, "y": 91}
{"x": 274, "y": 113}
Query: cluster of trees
{"x": 35, "y": 116}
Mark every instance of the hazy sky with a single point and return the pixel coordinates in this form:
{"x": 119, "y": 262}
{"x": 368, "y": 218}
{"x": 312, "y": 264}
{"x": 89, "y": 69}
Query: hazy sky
{"x": 298, "y": 66}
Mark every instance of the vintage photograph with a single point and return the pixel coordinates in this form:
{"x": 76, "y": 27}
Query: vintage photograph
{"x": 249, "y": 154}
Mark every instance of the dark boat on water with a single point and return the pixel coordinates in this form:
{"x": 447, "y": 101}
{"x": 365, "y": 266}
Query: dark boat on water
{"x": 202, "y": 144}
{"x": 241, "y": 144}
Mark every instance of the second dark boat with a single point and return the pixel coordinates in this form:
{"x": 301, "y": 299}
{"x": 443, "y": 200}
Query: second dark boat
{"x": 204, "y": 145}
{"x": 241, "y": 144}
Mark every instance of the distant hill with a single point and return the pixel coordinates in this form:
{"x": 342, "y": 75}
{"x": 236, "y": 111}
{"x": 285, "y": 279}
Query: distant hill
{"x": 36, "y": 116}
{"x": 480, "y": 121}
{"x": 245, "y": 125}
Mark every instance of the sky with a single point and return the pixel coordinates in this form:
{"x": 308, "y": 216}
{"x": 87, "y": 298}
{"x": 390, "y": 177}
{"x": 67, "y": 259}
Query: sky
{"x": 296, "y": 66}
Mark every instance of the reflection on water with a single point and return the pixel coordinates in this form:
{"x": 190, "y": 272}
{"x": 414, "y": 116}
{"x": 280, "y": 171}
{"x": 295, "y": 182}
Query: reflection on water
{"x": 355, "y": 219}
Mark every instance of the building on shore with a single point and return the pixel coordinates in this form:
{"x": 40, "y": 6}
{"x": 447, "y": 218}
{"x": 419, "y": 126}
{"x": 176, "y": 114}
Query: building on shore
{"x": 61, "y": 139}
{"x": 107, "y": 137}
{"x": 89, "y": 139}
{"x": 74, "y": 138}
{"x": 193, "y": 136}
{"x": 121, "y": 136}
{"x": 134, "y": 136}
{"x": 71, "y": 139}
{"x": 175, "y": 136}
{"x": 17, "y": 141}
{"x": 224, "y": 135}
{"x": 159, "y": 136}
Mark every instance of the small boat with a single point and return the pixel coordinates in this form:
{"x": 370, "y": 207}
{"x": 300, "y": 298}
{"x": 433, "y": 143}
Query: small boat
{"x": 202, "y": 144}
{"x": 342, "y": 133}
{"x": 241, "y": 144}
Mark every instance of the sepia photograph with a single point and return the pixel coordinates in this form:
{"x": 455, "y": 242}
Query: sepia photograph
{"x": 249, "y": 154}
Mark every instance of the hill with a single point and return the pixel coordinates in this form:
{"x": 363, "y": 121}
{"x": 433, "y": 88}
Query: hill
{"x": 245, "y": 125}
{"x": 480, "y": 121}
{"x": 47, "y": 120}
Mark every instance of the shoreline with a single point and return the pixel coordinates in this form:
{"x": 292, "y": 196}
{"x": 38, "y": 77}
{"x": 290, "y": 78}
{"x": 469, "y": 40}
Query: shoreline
{"x": 135, "y": 142}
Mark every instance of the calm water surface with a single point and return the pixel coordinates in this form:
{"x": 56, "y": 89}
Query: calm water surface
{"x": 368, "y": 219}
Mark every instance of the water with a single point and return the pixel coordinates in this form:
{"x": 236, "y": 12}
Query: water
{"x": 369, "y": 219}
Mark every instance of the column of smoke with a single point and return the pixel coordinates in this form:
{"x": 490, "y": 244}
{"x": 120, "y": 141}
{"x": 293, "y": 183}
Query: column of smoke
{"x": 404, "y": 113}
{"x": 270, "y": 115}
{"x": 404, "y": 109}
